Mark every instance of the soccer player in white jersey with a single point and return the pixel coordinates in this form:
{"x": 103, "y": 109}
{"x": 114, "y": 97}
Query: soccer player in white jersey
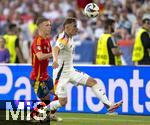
{"x": 64, "y": 71}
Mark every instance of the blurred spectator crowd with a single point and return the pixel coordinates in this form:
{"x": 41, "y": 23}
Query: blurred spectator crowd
{"x": 127, "y": 13}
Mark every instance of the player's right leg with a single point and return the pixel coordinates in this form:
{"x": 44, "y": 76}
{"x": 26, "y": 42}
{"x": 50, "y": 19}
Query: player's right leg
{"x": 52, "y": 114}
{"x": 61, "y": 92}
{"x": 60, "y": 89}
{"x": 96, "y": 88}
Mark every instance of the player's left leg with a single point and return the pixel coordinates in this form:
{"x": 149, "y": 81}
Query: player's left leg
{"x": 101, "y": 95}
{"x": 96, "y": 88}
{"x": 84, "y": 79}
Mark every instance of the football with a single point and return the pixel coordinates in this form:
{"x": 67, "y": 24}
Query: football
{"x": 40, "y": 114}
{"x": 91, "y": 10}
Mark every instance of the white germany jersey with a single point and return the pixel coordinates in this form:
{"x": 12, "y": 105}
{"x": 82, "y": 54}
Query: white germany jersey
{"x": 65, "y": 57}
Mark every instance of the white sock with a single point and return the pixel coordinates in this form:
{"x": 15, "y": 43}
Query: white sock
{"x": 54, "y": 105}
{"x": 101, "y": 94}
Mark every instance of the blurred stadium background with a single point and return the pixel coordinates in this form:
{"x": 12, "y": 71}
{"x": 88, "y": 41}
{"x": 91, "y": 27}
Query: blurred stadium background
{"x": 14, "y": 79}
{"x": 128, "y": 14}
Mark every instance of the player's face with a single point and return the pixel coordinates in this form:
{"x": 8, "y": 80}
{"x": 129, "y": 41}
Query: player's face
{"x": 72, "y": 28}
{"x": 45, "y": 27}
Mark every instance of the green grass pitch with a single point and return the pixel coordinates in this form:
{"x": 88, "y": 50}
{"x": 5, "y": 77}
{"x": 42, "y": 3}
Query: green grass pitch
{"x": 85, "y": 119}
{"x": 99, "y": 119}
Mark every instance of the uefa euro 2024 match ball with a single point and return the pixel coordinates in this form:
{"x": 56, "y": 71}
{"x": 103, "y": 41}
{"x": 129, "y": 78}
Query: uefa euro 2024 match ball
{"x": 91, "y": 10}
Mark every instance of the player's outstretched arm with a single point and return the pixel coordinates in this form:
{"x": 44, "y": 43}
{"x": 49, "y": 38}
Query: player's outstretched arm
{"x": 56, "y": 50}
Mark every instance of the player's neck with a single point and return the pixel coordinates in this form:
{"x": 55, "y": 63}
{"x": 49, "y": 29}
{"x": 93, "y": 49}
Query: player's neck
{"x": 43, "y": 35}
{"x": 69, "y": 35}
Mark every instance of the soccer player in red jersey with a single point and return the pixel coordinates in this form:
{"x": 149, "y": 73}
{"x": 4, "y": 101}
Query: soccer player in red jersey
{"x": 41, "y": 53}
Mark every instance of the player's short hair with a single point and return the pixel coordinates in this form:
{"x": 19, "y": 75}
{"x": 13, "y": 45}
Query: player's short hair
{"x": 41, "y": 20}
{"x": 69, "y": 21}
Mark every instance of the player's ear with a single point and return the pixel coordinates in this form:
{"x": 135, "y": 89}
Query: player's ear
{"x": 67, "y": 26}
{"x": 40, "y": 25}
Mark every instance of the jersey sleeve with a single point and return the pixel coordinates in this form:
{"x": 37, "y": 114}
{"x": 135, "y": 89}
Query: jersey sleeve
{"x": 37, "y": 46}
{"x": 61, "y": 42}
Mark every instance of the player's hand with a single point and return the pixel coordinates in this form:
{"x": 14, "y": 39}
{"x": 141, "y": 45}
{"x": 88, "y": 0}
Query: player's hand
{"x": 55, "y": 65}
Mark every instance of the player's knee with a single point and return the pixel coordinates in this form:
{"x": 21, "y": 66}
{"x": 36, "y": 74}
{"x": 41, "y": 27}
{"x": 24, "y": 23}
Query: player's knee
{"x": 63, "y": 102}
{"x": 91, "y": 82}
{"x": 94, "y": 81}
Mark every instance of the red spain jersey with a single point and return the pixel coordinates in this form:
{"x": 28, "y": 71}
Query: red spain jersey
{"x": 39, "y": 67}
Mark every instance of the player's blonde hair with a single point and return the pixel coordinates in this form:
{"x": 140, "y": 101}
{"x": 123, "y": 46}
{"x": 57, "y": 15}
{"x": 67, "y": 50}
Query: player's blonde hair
{"x": 69, "y": 20}
{"x": 41, "y": 20}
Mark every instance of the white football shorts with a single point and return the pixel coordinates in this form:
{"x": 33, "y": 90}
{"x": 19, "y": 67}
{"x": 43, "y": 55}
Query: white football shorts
{"x": 75, "y": 77}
